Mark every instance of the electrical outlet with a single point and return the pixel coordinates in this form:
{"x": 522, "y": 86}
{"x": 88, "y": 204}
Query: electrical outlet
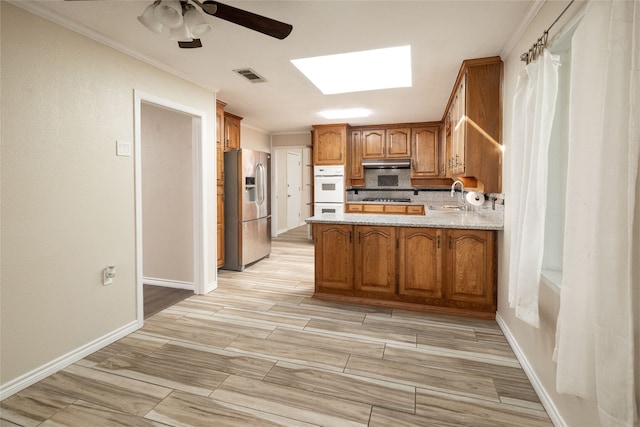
{"x": 123, "y": 148}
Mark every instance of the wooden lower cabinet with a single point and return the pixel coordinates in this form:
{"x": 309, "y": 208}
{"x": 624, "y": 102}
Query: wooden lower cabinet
{"x": 375, "y": 260}
{"x": 220, "y": 226}
{"x": 441, "y": 270}
{"x": 333, "y": 257}
{"x": 420, "y": 258}
{"x": 470, "y": 268}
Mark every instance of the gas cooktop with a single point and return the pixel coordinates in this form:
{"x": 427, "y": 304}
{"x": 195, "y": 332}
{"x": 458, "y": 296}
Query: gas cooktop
{"x": 387, "y": 199}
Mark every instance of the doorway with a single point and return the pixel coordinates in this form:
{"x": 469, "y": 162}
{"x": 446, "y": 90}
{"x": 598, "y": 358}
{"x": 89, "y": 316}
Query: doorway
{"x": 167, "y": 206}
{"x": 292, "y": 179}
{"x": 170, "y": 228}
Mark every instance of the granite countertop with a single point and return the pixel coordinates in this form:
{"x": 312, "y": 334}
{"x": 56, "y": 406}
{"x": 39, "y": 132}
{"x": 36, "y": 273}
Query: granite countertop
{"x": 483, "y": 219}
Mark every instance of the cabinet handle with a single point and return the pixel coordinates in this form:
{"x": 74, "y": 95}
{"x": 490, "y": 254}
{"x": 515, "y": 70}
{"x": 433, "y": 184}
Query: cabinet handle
{"x": 438, "y": 242}
{"x": 349, "y": 237}
{"x": 450, "y": 243}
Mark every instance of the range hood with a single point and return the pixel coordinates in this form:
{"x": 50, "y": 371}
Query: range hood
{"x": 386, "y": 163}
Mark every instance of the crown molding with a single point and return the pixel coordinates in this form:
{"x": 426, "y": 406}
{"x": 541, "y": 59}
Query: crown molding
{"x": 524, "y": 23}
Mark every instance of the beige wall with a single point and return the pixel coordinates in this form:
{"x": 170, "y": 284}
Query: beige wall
{"x": 167, "y": 194}
{"x": 536, "y": 344}
{"x": 67, "y": 200}
{"x": 292, "y": 139}
{"x": 255, "y": 139}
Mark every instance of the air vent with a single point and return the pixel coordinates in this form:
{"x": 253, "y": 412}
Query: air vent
{"x": 251, "y": 75}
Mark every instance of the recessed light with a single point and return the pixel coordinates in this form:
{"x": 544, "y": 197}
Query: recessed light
{"x": 346, "y": 113}
{"x": 359, "y": 71}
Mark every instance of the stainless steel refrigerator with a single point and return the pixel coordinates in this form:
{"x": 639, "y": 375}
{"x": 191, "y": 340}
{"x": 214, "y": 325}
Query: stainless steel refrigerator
{"x": 247, "y": 207}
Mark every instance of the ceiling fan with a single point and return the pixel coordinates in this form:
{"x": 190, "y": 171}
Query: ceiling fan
{"x": 181, "y": 21}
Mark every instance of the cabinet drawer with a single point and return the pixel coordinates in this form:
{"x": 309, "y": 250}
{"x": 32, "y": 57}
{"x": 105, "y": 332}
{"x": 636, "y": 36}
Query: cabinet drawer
{"x": 402, "y": 209}
{"x": 354, "y": 208}
{"x": 373, "y": 208}
{"x": 415, "y": 210}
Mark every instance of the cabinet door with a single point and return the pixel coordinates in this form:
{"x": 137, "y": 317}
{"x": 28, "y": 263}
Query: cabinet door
{"x": 220, "y": 133}
{"x": 470, "y": 268}
{"x": 329, "y": 145}
{"x": 398, "y": 143}
{"x": 373, "y": 142}
{"x": 220, "y": 225}
{"x": 356, "y": 171}
{"x": 458, "y": 130}
{"x": 232, "y": 131}
{"x": 375, "y": 252}
{"x": 420, "y": 262}
{"x": 333, "y": 256}
{"x": 373, "y": 208}
{"x": 425, "y": 157}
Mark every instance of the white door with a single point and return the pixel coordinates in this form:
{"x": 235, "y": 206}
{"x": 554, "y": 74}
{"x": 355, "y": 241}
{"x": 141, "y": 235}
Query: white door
{"x": 294, "y": 189}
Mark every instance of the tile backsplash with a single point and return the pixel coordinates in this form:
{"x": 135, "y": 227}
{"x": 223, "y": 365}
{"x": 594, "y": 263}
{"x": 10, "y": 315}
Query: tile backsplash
{"x": 387, "y": 178}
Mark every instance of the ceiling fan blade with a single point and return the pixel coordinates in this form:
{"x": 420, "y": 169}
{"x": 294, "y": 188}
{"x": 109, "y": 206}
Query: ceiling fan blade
{"x": 259, "y": 23}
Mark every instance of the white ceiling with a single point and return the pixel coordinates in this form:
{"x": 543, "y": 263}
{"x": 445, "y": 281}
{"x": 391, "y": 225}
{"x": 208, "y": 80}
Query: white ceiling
{"x": 441, "y": 34}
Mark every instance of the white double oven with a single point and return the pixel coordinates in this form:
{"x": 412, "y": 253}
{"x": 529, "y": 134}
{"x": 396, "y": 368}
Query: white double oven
{"x": 329, "y": 189}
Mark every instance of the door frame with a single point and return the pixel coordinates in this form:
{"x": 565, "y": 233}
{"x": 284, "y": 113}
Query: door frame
{"x": 200, "y": 255}
{"x": 298, "y": 155}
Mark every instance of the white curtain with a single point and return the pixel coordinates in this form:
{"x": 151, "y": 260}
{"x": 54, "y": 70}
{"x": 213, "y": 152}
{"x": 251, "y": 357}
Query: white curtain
{"x": 533, "y": 111}
{"x": 599, "y": 301}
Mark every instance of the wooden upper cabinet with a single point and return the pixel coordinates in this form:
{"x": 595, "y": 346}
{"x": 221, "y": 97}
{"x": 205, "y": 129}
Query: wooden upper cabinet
{"x": 391, "y": 143}
{"x": 425, "y": 152}
{"x": 329, "y": 144}
{"x": 355, "y": 171}
{"x": 220, "y": 122}
{"x": 470, "y": 264}
{"x": 232, "y": 131}
{"x": 220, "y": 143}
{"x": 373, "y": 143}
{"x": 475, "y": 119}
{"x": 375, "y": 261}
{"x": 398, "y": 144}
{"x": 459, "y": 125}
{"x": 420, "y": 262}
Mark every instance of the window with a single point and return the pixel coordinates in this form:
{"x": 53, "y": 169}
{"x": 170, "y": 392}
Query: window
{"x": 557, "y": 170}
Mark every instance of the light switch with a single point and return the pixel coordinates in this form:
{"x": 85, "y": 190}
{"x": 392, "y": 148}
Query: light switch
{"x": 108, "y": 274}
{"x": 123, "y": 148}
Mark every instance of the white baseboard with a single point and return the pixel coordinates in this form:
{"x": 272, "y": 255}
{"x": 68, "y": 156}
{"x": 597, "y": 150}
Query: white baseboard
{"x": 210, "y": 287}
{"x": 168, "y": 283}
{"x": 541, "y": 391}
{"x": 62, "y": 362}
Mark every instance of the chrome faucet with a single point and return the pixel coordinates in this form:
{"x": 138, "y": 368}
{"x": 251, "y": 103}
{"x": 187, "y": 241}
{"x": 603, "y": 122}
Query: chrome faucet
{"x": 453, "y": 192}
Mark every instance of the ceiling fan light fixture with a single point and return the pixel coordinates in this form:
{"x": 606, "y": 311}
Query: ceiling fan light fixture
{"x": 149, "y": 20}
{"x": 195, "y": 21}
{"x": 181, "y": 33}
{"x": 169, "y": 12}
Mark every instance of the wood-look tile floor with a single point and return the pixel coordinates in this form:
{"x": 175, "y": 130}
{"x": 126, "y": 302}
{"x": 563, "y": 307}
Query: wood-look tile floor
{"x": 259, "y": 351}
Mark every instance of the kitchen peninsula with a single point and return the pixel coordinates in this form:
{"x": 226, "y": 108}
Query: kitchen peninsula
{"x": 405, "y": 241}
{"x": 443, "y": 261}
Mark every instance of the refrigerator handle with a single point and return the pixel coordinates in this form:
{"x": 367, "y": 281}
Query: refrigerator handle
{"x": 260, "y": 183}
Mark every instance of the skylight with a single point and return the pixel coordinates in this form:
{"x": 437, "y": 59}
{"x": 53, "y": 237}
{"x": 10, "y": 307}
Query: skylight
{"x": 359, "y": 71}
